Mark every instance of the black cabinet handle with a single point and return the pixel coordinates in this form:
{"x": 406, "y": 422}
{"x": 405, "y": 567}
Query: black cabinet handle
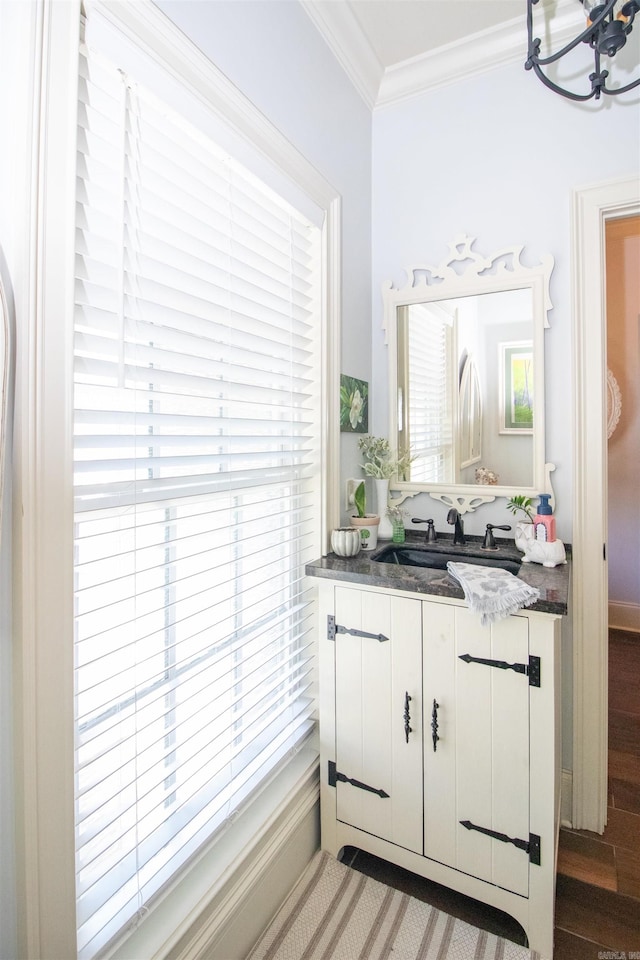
{"x": 434, "y": 724}
{"x": 407, "y": 716}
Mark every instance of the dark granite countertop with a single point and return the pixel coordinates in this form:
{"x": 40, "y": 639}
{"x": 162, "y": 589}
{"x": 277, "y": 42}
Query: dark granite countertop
{"x": 553, "y": 582}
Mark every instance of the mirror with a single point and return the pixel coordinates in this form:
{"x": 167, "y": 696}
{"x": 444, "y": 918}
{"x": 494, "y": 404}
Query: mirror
{"x": 466, "y": 375}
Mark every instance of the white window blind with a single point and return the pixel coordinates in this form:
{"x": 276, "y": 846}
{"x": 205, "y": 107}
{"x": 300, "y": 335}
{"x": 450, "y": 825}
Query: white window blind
{"x": 429, "y": 415}
{"x": 196, "y": 492}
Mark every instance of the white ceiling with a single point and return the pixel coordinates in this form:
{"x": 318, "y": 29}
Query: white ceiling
{"x": 394, "y": 49}
{"x": 399, "y": 30}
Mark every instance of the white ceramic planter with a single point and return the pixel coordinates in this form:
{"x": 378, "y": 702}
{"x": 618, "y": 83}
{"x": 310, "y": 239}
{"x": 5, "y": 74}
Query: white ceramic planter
{"x": 524, "y": 535}
{"x": 345, "y": 541}
{"x": 368, "y": 528}
{"x": 385, "y": 528}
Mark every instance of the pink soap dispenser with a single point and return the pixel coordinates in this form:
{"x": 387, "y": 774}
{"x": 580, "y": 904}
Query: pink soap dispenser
{"x": 544, "y": 523}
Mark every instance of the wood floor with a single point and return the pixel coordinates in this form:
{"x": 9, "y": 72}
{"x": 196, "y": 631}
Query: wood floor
{"x": 598, "y": 883}
{"x": 598, "y": 887}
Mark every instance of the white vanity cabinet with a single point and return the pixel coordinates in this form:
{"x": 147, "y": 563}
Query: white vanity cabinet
{"x": 401, "y": 675}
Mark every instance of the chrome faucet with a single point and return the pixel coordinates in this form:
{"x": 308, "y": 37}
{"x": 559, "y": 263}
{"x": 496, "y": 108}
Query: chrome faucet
{"x": 458, "y": 534}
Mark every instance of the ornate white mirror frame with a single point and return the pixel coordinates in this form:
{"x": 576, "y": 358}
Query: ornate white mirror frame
{"x": 473, "y": 274}
{"x": 6, "y": 354}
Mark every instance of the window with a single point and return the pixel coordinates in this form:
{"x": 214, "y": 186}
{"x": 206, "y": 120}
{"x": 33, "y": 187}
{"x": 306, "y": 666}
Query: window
{"x": 197, "y": 485}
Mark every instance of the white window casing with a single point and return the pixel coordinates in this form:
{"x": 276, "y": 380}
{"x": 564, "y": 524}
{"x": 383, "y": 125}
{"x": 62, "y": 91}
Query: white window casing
{"x": 46, "y": 528}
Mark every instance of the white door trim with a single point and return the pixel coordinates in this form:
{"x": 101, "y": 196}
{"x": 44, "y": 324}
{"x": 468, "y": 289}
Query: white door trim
{"x": 592, "y": 206}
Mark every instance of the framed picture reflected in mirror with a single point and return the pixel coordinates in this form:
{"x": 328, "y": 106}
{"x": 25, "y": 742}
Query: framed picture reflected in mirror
{"x": 516, "y": 387}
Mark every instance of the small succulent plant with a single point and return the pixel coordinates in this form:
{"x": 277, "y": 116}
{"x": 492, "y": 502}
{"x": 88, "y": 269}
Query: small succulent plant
{"x": 521, "y": 504}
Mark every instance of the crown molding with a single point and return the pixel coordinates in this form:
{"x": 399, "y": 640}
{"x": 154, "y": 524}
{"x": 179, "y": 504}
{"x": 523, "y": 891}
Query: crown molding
{"x": 474, "y": 55}
{"x": 466, "y": 58}
{"x": 337, "y": 23}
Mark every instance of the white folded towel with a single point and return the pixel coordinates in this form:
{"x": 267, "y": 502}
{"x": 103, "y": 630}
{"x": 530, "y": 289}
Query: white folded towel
{"x": 492, "y": 592}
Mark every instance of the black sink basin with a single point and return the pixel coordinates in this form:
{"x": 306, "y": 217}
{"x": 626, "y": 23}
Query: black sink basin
{"x": 415, "y": 556}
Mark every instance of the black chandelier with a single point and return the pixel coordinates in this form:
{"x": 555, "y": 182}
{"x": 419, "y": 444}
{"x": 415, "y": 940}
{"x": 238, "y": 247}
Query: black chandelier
{"x": 609, "y": 23}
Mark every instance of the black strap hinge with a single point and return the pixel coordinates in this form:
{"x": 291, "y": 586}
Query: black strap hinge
{"x": 334, "y": 776}
{"x": 530, "y": 669}
{"x": 534, "y": 849}
{"x": 333, "y": 628}
{"x": 530, "y": 846}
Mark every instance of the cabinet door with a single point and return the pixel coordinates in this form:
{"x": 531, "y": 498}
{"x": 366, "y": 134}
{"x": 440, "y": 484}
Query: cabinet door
{"x": 479, "y": 773}
{"x": 379, "y": 715}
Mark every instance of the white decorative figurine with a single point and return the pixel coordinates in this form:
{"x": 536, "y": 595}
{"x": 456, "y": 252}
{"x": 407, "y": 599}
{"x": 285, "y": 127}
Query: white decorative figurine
{"x": 548, "y": 554}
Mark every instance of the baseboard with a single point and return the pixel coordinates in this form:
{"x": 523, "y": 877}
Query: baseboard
{"x": 566, "y": 804}
{"x": 235, "y": 922}
{"x": 624, "y": 616}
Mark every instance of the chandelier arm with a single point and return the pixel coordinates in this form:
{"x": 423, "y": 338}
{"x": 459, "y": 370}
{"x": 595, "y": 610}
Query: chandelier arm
{"x": 557, "y": 89}
{"x": 586, "y": 33}
{"x": 590, "y": 36}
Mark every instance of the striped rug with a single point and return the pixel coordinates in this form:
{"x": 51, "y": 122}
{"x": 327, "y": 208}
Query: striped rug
{"x": 336, "y": 913}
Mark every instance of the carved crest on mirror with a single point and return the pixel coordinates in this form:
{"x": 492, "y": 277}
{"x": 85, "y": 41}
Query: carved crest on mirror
{"x": 466, "y": 375}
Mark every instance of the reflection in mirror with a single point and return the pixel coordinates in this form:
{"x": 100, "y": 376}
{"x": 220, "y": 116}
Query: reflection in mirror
{"x": 427, "y": 405}
{"x": 464, "y": 384}
{"x": 466, "y": 375}
{"x": 470, "y": 415}
{"x": 6, "y": 364}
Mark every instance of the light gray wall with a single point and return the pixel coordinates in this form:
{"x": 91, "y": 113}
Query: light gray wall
{"x": 275, "y": 56}
{"x": 495, "y": 157}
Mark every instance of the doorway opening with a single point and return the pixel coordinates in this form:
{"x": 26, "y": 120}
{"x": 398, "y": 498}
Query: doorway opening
{"x": 593, "y": 207}
{"x": 622, "y": 267}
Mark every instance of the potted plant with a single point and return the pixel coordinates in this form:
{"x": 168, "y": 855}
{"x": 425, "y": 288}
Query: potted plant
{"x": 524, "y": 527}
{"x": 367, "y": 523}
{"x": 380, "y": 464}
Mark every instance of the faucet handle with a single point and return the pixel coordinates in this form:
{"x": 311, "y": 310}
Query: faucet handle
{"x": 431, "y": 535}
{"x": 489, "y": 539}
